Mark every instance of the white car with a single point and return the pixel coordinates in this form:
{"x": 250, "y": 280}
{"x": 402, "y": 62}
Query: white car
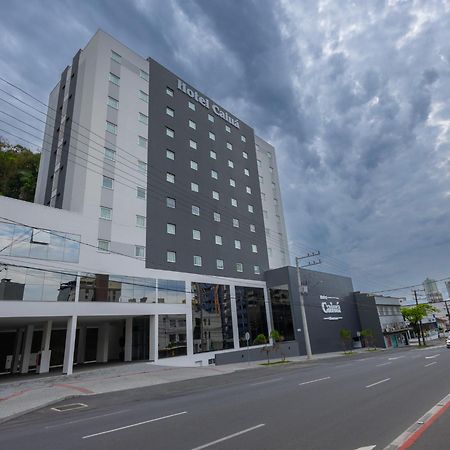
{"x": 448, "y": 342}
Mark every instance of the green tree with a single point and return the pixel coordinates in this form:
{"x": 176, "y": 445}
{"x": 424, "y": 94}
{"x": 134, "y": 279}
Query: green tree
{"x": 19, "y": 168}
{"x": 414, "y": 314}
{"x": 367, "y": 336}
{"x": 261, "y": 339}
{"x": 346, "y": 338}
{"x": 277, "y": 338}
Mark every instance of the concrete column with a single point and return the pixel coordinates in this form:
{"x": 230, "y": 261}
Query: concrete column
{"x": 128, "y": 348}
{"x": 234, "y": 317}
{"x": 189, "y": 327}
{"x": 27, "y": 349}
{"x": 17, "y": 347}
{"x": 44, "y": 364}
{"x": 81, "y": 349}
{"x": 268, "y": 314}
{"x": 103, "y": 343}
{"x": 153, "y": 336}
{"x": 77, "y": 287}
{"x": 69, "y": 349}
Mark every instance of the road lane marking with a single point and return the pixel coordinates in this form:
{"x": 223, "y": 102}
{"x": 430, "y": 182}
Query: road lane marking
{"x": 378, "y": 382}
{"x": 368, "y": 447}
{"x": 395, "y": 357}
{"x": 362, "y": 359}
{"x": 432, "y": 356}
{"x": 430, "y": 364}
{"x": 384, "y": 364}
{"x": 71, "y": 422}
{"x": 69, "y": 407}
{"x": 134, "y": 425}
{"x": 267, "y": 381}
{"x": 231, "y": 436}
{"x": 314, "y": 381}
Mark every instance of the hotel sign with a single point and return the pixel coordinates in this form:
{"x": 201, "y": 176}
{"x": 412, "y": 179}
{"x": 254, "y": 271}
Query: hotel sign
{"x": 204, "y": 101}
{"x": 328, "y": 307}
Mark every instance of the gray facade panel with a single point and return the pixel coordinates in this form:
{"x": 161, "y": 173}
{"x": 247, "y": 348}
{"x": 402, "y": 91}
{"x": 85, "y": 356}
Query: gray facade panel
{"x": 368, "y": 314}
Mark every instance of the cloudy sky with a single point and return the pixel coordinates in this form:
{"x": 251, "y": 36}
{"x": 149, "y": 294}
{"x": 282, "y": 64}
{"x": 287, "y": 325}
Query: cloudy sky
{"x": 353, "y": 94}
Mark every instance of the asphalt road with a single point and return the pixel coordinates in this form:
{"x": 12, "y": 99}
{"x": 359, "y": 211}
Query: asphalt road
{"x": 341, "y": 403}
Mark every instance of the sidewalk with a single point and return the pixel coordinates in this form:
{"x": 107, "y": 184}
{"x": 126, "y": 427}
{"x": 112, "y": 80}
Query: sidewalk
{"x": 22, "y": 395}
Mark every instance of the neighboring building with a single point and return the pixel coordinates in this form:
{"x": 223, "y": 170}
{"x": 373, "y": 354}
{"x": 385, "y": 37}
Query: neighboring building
{"x": 382, "y": 316}
{"x": 431, "y": 291}
{"x": 447, "y": 285}
{"x": 148, "y": 236}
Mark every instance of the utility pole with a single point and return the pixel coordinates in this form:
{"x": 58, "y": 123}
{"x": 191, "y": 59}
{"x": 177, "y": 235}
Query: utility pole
{"x": 448, "y": 313}
{"x": 302, "y": 300}
{"x": 420, "y": 322}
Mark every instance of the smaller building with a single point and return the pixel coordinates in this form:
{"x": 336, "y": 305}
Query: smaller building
{"x": 382, "y": 316}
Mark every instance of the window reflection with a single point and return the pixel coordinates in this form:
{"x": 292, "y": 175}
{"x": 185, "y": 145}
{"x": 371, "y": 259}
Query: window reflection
{"x": 281, "y": 313}
{"x": 251, "y": 313}
{"x": 170, "y": 291}
{"x": 171, "y": 335}
{"x": 211, "y": 317}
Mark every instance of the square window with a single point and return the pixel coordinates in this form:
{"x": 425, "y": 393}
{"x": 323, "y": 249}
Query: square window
{"x": 143, "y": 74}
{"x": 113, "y": 102}
{"x": 213, "y": 154}
{"x": 254, "y": 248}
{"x": 256, "y": 270}
{"x": 243, "y": 139}
{"x": 110, "y": 154}
{"x": 248, "y": 189}
{"x": 194, "y": 165}
{"x": 236, "y": 223}
{"x": 246, "y": 172}
{"x": 245, "y": 155}
{"x": 258, "y": 161}
{"x": 261, "y": 179}
{"x": 169, "y": 92}
{"x": 252, "y": 228}
{"x": 114, "y": 79}
{"x": 250, "y": 208}
{"x": 170, "y": 112}
{"x": 140, "y": 221}
{"x": 111, "y": 127}
{"x": 192, "y": 125}
{"x": 197, "y": 261}
{"x": 115, "y": 56}
{"x": 218, "y": 240}
{"x": 214, "y": 174}
{"x": 229, "y": 146}
{"x": 234, "y": 202}
{"x": 196, "y": 235}
{"x": 107, "y": 182}
{"x": 269, "y": 155}
{"x": 195, "y": 210}
{"x": 215, "y": 195}
{"x": 170, "y": 177}
{"x": 237, "y": 244}
{"x": 143, "y": 96}
{"x": 193, "y": 144}
{"x": 227, "y": 129}
{"x": 142, "y": 141}
{"x": 141, "y": 192}
{"x": 232, "y": 182}
{"x": 212, "y": 136}
{"x": 143, "y": 118}
{"x": 211, "y": 118}
{"x": 171, "y": 228}
{"x": 219, "y": 264}
{"x": 142, "y": 166}
{"x": 230, "y": 164}
{"x": 105, "y": 213}
{"x": 171, "y": 202}
{"x": 239, "y": 267}
{"x": 170, "y": 154}
{"x": 103, "y": 245}
{"x": 171, "y": 257}
{"x": 170, "y": 133}
{"x": 191, "y": 106}
{"x": 139, "y": 251}
{"x": 194, "y": 187}
{"x": 216, "y": 217}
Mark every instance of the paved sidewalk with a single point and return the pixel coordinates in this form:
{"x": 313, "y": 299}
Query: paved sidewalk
{"x": 21, "y": 395}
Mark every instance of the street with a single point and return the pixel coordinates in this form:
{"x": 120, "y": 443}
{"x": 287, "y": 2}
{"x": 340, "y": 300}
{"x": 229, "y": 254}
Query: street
{"x": 349, "y": 402}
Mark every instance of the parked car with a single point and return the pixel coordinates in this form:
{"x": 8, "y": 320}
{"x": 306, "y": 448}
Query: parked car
{"x": 448, "y": 342}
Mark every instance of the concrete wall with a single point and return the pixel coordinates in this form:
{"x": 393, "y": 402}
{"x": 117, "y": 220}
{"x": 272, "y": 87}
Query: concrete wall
{"x": 367, "y": 310}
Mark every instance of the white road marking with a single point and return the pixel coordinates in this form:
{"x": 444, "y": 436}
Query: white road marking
{"x": 432, "y": 357}
{"x": 267, "y": 381}
{"x": 314, "y": 381}
{"x": 134, "y": 425}
{"x": 378, "y": 382}
{"x": 384, "y": 364}
{"x": 69, "y": 407}
{"x": 86, "y": 418}
{"x": 430, "y": 364}
{"x": 362, "y": 359}
{"x": 231, "y": 436}
{"x": 368, "y": 447}
{"x": 395, "y": 357}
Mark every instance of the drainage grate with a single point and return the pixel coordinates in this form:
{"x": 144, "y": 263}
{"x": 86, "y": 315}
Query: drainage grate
{"x": 69, "y": 407}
